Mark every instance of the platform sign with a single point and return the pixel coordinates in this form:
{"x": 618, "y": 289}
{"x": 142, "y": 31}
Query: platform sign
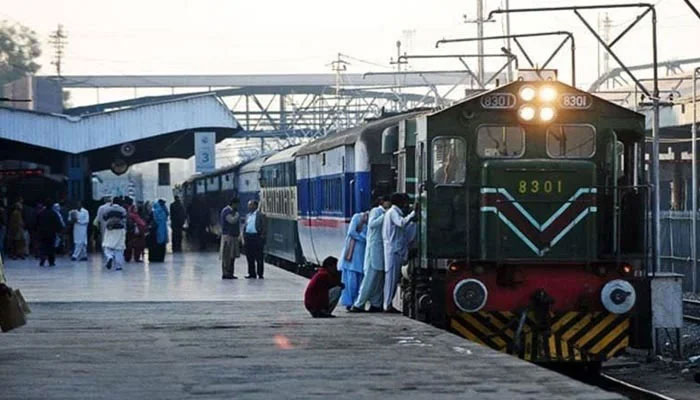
{"x": 204, "y": 151}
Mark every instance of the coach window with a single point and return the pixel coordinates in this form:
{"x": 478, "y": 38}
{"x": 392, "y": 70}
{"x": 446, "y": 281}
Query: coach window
{"x": 494, "y": 141}
{"x": 449, "y": 161}
{"x": 570, "y": 141}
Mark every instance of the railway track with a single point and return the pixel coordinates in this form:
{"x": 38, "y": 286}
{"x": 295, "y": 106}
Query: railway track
{"x": 691, "y": 310}
{"x": 627, "y": 389}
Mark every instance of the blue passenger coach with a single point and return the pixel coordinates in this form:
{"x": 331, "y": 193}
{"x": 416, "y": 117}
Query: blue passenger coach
{"x": 336, "y": 176}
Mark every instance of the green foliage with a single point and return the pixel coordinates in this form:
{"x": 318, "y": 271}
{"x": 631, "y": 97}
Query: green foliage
{"x": 19, "y": 48}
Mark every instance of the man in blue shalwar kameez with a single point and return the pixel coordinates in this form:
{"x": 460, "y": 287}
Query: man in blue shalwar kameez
{"x": 372, "y": 285}
{"x": 352, "y": 258}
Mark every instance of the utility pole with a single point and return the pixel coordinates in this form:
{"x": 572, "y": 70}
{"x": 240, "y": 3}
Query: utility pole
{"x": 510, "y": 65}
{"x": 338, "y": 66}
{"x": 479, "y": 21}
{"x": 57, "y": 39}
{"x": 607, "y": 24}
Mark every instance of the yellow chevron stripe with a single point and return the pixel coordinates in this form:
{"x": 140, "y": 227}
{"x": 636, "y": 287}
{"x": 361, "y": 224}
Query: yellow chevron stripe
{"x": 624, "y": 343}
{"x": 564, "y": 320}
{"x": 465, "y": 332}
{"x": 577, "y": 327}
{"x": 553, "y": 347}
{"x": 596, "y": 330}
{"x": 483, "y": 330}
{"x": 497, "y": 323}
{"x": 564, "y": 350}
{"x": 528, "y": 346}
{"x": 619, "y": 330}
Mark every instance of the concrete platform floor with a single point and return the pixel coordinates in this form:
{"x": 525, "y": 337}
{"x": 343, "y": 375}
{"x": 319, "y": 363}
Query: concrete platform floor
{"x": 182, "y": 277}
{"x": 255, "y": 342}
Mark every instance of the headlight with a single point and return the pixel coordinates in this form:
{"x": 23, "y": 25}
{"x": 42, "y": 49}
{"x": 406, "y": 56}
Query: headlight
{"x": 618, "y": 296}
{"x": 526, "y": 113}
{"x": 546, "y": 114}
{"x": 548, "y": 94}
{"x": 527, "y": 93}
{"x": 470, "y": 295}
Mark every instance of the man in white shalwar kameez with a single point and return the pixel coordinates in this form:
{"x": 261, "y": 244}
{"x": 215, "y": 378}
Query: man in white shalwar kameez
{"x": 395, "y": 246}
{"x": 372, "y": 286}
{"x": 114, "y": 238}
{"x": 99, "y": 222}
{"x": 80, "y": 228}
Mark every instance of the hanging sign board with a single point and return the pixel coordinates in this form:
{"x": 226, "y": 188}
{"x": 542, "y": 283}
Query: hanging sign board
{"x": 204, "y": 151}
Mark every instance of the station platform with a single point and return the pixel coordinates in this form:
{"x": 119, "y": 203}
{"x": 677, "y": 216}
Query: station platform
{"x": 175, "y": 330}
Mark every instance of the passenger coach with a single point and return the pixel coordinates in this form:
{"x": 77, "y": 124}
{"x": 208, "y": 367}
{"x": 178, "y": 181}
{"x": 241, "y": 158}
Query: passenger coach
{"x": 336, "y": 176}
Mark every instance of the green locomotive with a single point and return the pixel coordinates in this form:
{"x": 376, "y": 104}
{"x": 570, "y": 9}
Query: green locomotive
{"x": 532, "y": 236}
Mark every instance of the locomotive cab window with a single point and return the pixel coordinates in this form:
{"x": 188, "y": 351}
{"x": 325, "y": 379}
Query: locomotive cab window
{"x": 500, "y": 141}
{"x": 449, "y": 161}
{"x": 570, "y": 141}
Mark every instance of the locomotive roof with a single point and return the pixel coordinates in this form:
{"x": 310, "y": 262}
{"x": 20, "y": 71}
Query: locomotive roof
{"x": 612, "y": 107}
{"x": 286, "y": 155}
{"x": 350, "y": 136}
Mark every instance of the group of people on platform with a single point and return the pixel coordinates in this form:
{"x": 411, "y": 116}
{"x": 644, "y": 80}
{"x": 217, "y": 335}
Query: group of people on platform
{"x": 122, "y": 228}
{"x": 251, "y": 234}
{"x": 126, "y": 230}
{"x": 376, "y": 246}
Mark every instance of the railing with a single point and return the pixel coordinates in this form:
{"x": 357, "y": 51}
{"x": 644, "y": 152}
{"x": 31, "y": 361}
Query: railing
{"x": 676, "y": 229}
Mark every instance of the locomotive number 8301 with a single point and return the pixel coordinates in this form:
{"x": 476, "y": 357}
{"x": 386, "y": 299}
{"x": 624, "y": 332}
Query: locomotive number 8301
{"x": 540, "y": 186}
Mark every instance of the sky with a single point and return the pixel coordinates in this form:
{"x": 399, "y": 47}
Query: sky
{"x": 275, "y": 36}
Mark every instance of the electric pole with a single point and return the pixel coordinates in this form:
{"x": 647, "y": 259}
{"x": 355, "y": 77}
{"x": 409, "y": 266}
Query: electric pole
{"x": 338, "y": 66}
{"x": 57, "y": 39}
{"x": 479, "y": 21}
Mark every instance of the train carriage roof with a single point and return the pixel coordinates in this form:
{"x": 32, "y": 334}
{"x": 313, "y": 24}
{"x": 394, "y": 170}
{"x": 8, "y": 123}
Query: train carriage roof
{"x": 350, "y": 136}
{"x": 253, "y": 165}
{"x": 283, "y": 156}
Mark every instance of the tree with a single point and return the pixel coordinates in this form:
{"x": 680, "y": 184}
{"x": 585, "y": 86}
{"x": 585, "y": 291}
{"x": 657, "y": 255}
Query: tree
{"x": 19, "y": 48}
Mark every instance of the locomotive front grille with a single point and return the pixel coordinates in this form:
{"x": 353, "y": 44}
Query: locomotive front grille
{"x": 538, "y": 209}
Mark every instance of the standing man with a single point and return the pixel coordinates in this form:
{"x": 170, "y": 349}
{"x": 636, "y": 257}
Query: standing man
{"x": 177, "y": 221}
{"x": 230, "y": 232}
{"x": 353, "y": 259}
{"x": 114, "y": 238}
{"x": 395, "y": 245}
{"x": 254, "y": 240}
{"x": 99, "y": 222}
{"x": 48, "y": 226}
{"x": 372, "y": 285}
{"x": 80, "y": 228}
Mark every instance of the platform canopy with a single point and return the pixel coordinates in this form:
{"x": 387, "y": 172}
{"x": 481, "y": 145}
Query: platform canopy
{"x": 154, "y": 130}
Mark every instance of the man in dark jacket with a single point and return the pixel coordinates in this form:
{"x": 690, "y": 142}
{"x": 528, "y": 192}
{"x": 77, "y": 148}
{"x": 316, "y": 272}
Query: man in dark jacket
{"x": 48, "y": 225}
{"x": 177, "y": 221}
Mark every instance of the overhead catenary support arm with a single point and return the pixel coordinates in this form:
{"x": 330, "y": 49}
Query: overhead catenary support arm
{"x": 515, "y": 37}
{"x": 692, "y": 8}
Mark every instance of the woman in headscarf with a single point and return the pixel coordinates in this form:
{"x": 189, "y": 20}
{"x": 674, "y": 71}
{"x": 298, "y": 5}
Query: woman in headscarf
{"x": 15, "y": 232}
{"x": 135, "y": 234}
{"x": 159, "y": 230}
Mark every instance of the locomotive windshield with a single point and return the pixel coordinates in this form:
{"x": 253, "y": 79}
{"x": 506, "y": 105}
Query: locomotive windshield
{"x": 449, "y": 161}
{"x": 570, "y": 141}
{"x": 500, "y": 141}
